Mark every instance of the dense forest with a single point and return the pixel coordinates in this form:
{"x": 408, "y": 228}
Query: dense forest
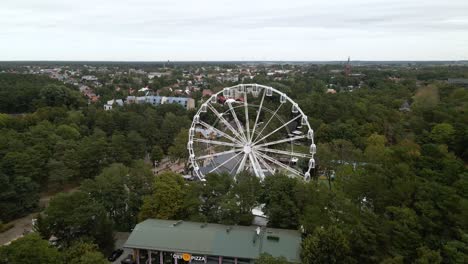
{"x": 392, "y": 186}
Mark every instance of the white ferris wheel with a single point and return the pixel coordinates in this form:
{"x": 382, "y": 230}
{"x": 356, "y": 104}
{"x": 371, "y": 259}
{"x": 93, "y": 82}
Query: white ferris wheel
{"x": 251, "y": 127}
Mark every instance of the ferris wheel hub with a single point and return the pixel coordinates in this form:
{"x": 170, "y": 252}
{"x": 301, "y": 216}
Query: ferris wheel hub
{"x": 247, "y": 149}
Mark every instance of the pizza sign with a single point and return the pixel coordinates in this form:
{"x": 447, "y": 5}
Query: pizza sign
{"x": 188, "y": 257}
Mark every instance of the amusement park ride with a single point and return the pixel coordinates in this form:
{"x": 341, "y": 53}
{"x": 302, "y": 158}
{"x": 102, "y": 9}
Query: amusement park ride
{"x": 251, "y": 127}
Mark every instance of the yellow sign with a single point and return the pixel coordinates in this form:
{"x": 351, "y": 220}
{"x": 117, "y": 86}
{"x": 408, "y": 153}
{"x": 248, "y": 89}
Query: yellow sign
{"x": 186, "y": 257}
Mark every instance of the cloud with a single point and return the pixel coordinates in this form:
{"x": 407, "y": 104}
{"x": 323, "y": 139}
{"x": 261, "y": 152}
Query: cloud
{"x": 233, "y": 30}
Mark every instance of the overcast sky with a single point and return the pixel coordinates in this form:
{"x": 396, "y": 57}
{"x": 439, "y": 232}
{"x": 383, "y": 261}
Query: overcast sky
{"x": 149, "y": 30}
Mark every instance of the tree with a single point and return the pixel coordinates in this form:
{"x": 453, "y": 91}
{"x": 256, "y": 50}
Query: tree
{"x": 246, "y": 191}
{"x": 178, "y": 151}
{"x": 81, "y": 252}
{"x": 326, "y": 246}
{"x": 427, "y": 256}
{"x": 455, "y": 251}
{"x": 157, "y": 154}
{"x": 426, "y": 97}
{"x": 171, "y": 126}
{"x": 73, "y": 216}
{"x": 375, "y": 150}
{"x": 213, "y": 195}
{"x": 280, "y": 204}
{"x": 136, "y": 145}
{"x": 443, "y": 133}
{"x": 403, "y": 228}
{"x": 59, "y": 174}
{"x": 67, "y": 132}
{"x": 58, "y": 95}
{"x": 18, "y": 196}
{"x": 120, "y": 190}
{"x": 92, "y": 154}
{"x": 167, "y": 198}
{"x": 119, "y": 149}
{"x": 30, "y": 249}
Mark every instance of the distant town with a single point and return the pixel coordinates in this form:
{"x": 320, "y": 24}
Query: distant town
{"x": 115, "y": 84}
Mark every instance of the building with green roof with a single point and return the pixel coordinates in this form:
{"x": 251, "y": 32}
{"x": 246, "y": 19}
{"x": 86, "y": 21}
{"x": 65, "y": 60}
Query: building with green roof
{"x": 170, "y": 241}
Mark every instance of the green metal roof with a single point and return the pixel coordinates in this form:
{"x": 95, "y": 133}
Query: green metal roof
{"x": 215, "y": 239}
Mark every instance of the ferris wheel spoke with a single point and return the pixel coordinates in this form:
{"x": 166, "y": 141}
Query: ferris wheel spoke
{"x": 287, "y": 153}
{"x": 269, "y": 120}
{"x": 247, "y": 128}
{"x": 276, "y": 130}
{"x": 218, "y": 154}
{"x": 219, "y": 132}
{"x": 239, "y": 126}
{"x": 296, "y": 172}
{"x": 280, "y": 141}
{"x": 235, "y": 165}
{"x": 258, "y": 115}
{"x": 264, "y": 163}
{"x": 242, "y": 164}
{"x": 256, "y": 165}
{"x": 225, "y": 162}
{"x": 225, "y": 122}
{"x": 214, "y": 142}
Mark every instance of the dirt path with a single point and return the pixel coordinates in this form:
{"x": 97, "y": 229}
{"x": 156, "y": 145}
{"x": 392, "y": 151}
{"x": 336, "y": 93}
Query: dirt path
{"x": 166, "y": 165}
{"x": 24, "y": 224}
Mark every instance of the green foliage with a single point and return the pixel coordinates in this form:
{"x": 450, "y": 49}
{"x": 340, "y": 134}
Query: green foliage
{"x": 442, "y": 133}
{"x": 171, "y": 125}
{"x": 33, "y": 249}
{"x": 83, "y": 253}
{"x": 120, "y": 190}
{"x": 178, "y": 151}
{"x": 427, "y": 256}
{"x": 24, "y": 93}
{"x": 399, "y": 195}
{"x": 280, "y": 206}
{"x": 269, "y": 259}
{"x": 167, "y": 198}
{"x": 73, "y": 216}
{"x": 30, "y": 249}
{"x": 157, "y": 154}
{"x": 326, "y": 245}
{"x": 56, "y": 147}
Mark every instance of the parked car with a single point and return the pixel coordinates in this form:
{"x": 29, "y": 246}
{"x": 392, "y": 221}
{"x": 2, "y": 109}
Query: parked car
{"x": 115, "y": 254}
{"x": 128, "y": 260}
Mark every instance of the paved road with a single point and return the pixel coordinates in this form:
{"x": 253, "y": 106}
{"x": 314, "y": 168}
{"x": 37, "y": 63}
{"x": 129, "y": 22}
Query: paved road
{"x": 120, "y": 239}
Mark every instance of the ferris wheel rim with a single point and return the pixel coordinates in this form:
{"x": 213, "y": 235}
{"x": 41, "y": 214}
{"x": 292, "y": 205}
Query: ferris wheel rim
{"x": 240, "y": 139}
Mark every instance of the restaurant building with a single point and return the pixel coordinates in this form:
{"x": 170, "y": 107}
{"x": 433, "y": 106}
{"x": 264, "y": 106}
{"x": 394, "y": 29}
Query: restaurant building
{"x": 169, "y": 241}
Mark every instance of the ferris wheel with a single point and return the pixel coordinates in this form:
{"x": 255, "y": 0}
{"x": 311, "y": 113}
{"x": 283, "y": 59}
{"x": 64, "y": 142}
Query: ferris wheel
{"x": 251, "y": 127}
